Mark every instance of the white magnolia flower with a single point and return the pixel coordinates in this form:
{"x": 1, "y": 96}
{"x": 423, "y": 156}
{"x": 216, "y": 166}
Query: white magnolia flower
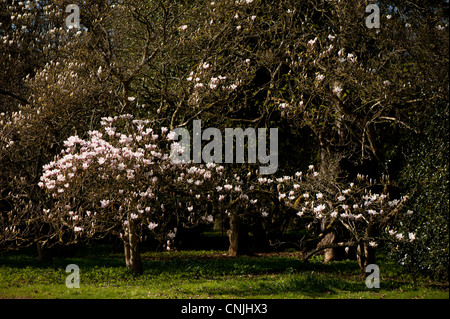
{"x": 312, "y": 42}
{"x": 337, "y": 90}
{"x": 319, "y": 208}
{"x": 171, "y": 136}
{"x": 320, "y": 77}
{"x": 171, "y": 235}
{"x": 101, "y": 160}
{"x": 104, "y": 203}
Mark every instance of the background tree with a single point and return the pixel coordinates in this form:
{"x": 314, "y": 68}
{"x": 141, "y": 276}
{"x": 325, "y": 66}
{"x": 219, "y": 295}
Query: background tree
{"x": 63, "y": 96}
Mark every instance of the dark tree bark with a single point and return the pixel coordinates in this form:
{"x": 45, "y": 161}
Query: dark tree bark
{"x": 238, "y": 237}
{"x": 44, "y": 253}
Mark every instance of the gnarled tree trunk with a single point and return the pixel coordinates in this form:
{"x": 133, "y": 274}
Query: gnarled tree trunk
{"x": 330, "y": 254}
{"x": 330, "y": 238}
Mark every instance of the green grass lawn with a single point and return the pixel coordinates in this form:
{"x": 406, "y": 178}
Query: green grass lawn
{"x": 205, "y": 274}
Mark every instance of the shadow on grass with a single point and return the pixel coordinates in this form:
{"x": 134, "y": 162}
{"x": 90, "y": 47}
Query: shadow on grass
{"x": 243, "y": 276}
{"x": 244, "y": 266}
{"x": 182, "y": 264}
{"x": 306, "y": 285}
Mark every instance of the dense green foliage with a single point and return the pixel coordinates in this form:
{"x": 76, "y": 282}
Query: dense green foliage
{"x": 425, "y": 174}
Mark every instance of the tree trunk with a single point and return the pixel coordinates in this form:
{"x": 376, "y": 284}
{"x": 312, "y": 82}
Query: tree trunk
{"x": 329, "y": 253}
{"x": 360, "y": 257}
{"x": 44, "y": 253}
{"x": 331, "y": 237}
{"x": 366, "y": 253}
{"x": 133, "y": 259}
{"x": 333, "y": 253}
{"x": 365, "y": 256}
{"x": 237, "y": 236}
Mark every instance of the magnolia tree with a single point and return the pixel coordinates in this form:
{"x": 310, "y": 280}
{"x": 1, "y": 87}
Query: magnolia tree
{"x": 363, "y": 208}
{"x": 122, "y": 181}
{"x": 52, "y": 93}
